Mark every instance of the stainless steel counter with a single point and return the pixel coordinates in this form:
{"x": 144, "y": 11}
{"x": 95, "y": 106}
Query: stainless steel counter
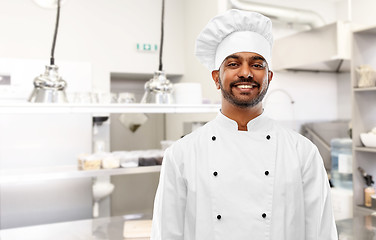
{"x": 91, "y": 229}
{"x": 359, "y": 228}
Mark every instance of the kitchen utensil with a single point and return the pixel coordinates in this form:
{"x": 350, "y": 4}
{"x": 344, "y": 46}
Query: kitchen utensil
{"x": 126, "y": 97}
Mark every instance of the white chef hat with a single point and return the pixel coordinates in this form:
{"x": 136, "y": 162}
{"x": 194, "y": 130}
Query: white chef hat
{"x": 231, "y": 32}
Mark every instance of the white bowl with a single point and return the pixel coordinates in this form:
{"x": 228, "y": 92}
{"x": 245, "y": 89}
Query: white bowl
{"x": 368, "y": 139}
{"x": 102, "y": 190}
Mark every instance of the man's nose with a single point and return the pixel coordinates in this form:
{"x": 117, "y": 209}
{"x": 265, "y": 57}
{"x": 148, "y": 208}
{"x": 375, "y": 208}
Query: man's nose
{"x": 245, "y": 72}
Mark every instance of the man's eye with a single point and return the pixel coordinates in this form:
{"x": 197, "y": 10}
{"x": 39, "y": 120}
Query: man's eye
{"x": 232, "y": 64}
{"x": 260, "y": 66}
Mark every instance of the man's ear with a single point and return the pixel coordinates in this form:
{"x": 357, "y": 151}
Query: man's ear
{"x": 215, "y": 76}
{"x": 270, "y": 76}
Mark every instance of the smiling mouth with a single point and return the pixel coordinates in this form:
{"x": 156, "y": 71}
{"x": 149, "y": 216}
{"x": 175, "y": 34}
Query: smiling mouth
{"x": 247, "y": 85}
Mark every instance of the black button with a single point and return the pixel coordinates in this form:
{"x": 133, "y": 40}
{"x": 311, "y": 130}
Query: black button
{"x": 263, "y": 215}
{"x": 268, "y": 137}
{"x": 266, "y": 173}
{"x": 219, "y": 217}
{"x": 215, "y": 173}
{"x": 213, "y": 138}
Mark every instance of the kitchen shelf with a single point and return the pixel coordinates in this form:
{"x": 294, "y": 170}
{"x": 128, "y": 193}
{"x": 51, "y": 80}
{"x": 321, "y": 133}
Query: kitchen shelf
{"x": 365, "y": 149}
{"x": 366, "y": 89}
{"x": 33, "y": 108}
{"x": 363, "y": 113}
{"x": 364, "y": 29}
{"x": 67, "y": 172}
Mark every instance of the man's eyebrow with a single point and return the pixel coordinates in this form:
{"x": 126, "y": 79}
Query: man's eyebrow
{"x": 258, "y": 58}
{"x": 232, "y": 56}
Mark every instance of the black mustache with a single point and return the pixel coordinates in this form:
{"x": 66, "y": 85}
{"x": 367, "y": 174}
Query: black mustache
{"x": 244, "y": 80}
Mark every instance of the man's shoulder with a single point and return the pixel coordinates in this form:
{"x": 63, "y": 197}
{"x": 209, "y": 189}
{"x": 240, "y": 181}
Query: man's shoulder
{"x": 289, "y": 135}
{"x": 290, "y": 141}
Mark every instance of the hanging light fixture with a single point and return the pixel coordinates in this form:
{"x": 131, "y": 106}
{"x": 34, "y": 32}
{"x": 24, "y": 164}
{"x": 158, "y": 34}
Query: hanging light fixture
{"x": 49, "y": 87}
{"x": 159, "y": 88}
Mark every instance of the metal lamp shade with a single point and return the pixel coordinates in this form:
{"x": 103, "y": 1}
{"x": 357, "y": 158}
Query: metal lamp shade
{"x": 158, "y": 90}
{"x": 49, "y": 87}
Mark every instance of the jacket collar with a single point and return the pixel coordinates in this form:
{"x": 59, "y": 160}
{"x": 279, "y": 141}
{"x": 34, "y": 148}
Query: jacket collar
{"x": 257, "y": 124}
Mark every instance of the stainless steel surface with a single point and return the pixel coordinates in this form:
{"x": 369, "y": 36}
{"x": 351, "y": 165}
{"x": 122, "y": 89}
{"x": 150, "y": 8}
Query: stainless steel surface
{"x": 158, "y": 90}
{"x": 66, "y": 172}
{"x": 49, "y": 87}
{"x": 101, "y": 228}
{"x": 358, "y": 228}
{"x": 43, "y": 202}
{"x": 24, "y": 141}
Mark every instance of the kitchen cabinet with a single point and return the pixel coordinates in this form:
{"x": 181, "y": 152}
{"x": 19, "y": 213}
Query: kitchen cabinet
{"x": 363, "y": 114}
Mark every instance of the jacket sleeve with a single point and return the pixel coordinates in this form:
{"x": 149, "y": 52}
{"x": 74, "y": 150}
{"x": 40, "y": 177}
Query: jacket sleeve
{"x": 319, "y": 219}
{"x": 170, "y": 202}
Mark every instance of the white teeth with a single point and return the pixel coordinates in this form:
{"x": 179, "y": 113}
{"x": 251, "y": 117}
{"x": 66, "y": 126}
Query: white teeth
{"x": 245, "y": 86}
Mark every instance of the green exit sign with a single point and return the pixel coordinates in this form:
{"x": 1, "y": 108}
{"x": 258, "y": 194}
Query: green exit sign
{"x": 147, "y": 47}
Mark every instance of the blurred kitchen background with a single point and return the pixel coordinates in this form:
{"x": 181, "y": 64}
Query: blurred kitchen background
{"x": 107, "y": 50}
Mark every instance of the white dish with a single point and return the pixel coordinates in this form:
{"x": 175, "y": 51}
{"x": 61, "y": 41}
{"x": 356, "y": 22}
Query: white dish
{"x": 368, "y": 139}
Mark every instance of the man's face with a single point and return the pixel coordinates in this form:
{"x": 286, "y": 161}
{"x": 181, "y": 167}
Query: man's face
{"x": 243, "y": 79}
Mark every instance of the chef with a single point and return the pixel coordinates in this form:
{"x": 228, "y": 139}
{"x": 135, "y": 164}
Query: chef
{"x": 242, "y": 176}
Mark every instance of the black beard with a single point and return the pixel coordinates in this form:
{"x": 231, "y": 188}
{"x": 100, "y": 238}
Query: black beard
{"x": 229, "y": 96}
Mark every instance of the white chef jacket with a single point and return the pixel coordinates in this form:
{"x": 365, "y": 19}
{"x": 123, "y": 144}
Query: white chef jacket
{"x": 219, "y": 183}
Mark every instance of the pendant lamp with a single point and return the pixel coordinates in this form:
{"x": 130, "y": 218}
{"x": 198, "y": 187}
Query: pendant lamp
{"x": 49, "y": 87}
{"x": 159, "y": 89}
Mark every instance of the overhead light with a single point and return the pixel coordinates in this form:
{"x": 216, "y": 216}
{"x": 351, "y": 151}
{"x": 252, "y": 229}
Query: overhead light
{"x": 50, "y": 87}
{"x": 159, "y": 88}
